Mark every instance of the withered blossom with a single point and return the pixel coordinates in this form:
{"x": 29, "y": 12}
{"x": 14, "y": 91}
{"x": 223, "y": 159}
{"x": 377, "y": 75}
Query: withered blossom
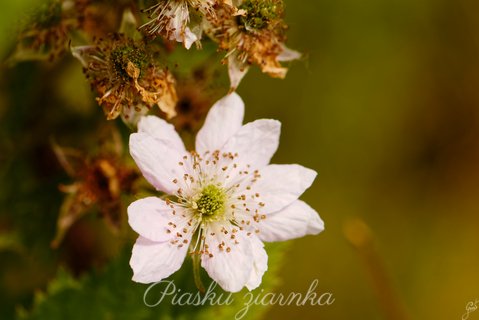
{"x": 98, "y": 18}
{"x": 197, "y": 91}
{"x": 179, "y": 20}
{"x": 99, "y": 182}
{"x": 44, "y": 35}
{"x": 194, "y": 102}
{"x": 126, "y": 77}
{"x": 253, "y": 32}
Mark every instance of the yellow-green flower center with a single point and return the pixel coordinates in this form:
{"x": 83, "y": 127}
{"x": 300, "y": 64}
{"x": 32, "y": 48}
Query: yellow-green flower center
{"x": 211, "y": 201}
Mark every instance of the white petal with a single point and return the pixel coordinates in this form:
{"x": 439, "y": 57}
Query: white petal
{"x": 223, "y": 120}
{"x": 132, "y": 114}
{"x": 155, "y": 220}
{"x": 260, "y": 263}
{"x": 179, "y": 17}
{"x": 230, "y": 268}
{"x": 153, "y": 261}
{"x": 236, "y": 70}
{"x": 158, "y": 161}
{"x": 288, "y": 54}
{"x": 189, "y": 38}
{"x": 280, "y": 185}
{"x": 160, "y": 129}
{"x": 294, "y": 221}
{"x": 256, "y": 142}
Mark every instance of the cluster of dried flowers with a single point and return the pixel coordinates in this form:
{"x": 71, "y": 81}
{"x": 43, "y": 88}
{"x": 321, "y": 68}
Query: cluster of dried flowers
{"x": 250, "y": 31}
{"x": 220, "y": 202}
{"x": 126, "y": 61}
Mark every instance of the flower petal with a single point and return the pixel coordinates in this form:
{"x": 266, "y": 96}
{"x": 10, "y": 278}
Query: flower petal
{"x": 294, "y": 221}
{"x": 288, "y": 54}
{"x": 160, "y": 129}
{"x": 223, "y": 120}
{"x": 280, "y": 185}
{"x": 236, "y": 70}
{"x": 157, "y": 160}
{"x": 155, "y": 220}
{"x": 189, "y": 38}
{"x": 132, "y": 114}
{"x": 260, "y": 263}
{"x": 153, "y": 261}
{"x": 178, "y": 16}
{"x": 256, "y": 142}
{"x": 229, "y": 264}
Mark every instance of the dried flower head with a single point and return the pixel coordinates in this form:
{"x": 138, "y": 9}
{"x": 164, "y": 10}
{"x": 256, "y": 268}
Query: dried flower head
{"x": 252, "y": 33}
{"x": 45, "y": 34}
{"x": 126, "y": 78}
{"x": 99, "y": 18}
{"x": 99, "y": 181}
{"x": 197, "y": 91}
{"x": 171, "y": 19}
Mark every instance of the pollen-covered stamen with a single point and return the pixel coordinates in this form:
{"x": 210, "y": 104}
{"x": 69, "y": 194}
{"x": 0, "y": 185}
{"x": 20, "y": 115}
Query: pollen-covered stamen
{"x": 248, "y": 204}
{"x": 181, "y": 226}
{"x": 171, "y": 17}
{"x": 216, "y": 191}
{"x": 167, "y": 17}
{"x": 199, "y": 189}
{"x": 222, "y": 239}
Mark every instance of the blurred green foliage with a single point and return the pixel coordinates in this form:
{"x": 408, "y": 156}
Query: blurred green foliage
{"x": 110, "y": 294}
{"x": 12, "y": 11}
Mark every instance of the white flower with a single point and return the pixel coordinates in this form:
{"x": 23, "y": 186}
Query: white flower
{"x": 226, "y": 199}
{"x": 171, "y": 19}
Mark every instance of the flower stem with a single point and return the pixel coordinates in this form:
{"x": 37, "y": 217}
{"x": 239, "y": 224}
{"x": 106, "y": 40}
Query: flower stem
{"x": 196, "y": 273}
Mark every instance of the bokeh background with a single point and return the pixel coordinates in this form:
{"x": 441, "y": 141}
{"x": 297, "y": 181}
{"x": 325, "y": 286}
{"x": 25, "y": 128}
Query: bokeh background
{"x": 384, "y": 105}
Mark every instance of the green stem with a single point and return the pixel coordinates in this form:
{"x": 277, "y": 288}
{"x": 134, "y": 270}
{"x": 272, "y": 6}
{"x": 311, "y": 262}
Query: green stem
{"x": 196, "y": 273}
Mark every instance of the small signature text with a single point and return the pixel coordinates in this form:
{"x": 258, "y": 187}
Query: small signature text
{"x": 471, "y": 306}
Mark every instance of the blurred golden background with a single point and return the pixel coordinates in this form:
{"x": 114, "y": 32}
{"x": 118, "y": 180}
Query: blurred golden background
{"x": 386, "y": 109}
{"x": 385, "y": 106}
